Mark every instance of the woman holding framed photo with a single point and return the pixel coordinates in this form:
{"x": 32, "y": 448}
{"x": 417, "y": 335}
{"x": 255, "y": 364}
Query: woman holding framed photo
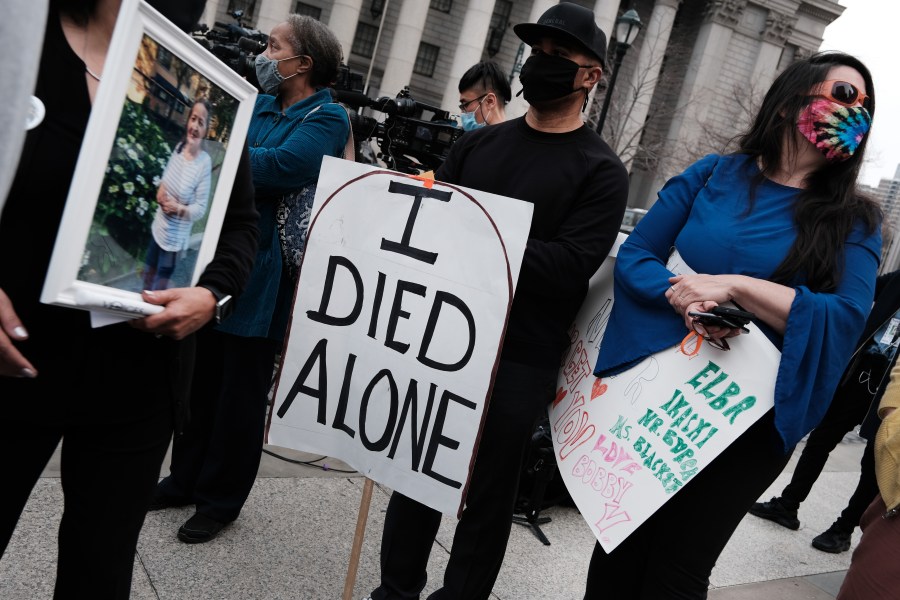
{"x": 111, "y": 396}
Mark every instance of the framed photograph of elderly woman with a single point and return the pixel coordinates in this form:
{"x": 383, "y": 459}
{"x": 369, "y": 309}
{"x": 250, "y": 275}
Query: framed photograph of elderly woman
{"x": 155, "y": 171}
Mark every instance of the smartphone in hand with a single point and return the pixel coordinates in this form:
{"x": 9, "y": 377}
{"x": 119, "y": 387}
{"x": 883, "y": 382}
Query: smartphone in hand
{"x": 733, "y": 314}
{"x": 730, "y": 318}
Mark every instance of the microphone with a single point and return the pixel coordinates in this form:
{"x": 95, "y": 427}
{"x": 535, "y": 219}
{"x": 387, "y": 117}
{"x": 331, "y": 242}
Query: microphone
{"x": 252, "y": 46}
{"x": 225, "y": 52}
{"x": 352, "y": 98}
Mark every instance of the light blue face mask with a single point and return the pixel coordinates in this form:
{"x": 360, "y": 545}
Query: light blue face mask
{"x": 267, "y": 73}
{"x": 468, "y": 122}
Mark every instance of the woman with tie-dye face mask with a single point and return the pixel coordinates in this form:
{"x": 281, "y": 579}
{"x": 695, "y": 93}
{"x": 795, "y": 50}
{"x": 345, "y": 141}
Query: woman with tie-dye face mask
{"x": 779, "y": 229}
{"x": 839, "y": 116}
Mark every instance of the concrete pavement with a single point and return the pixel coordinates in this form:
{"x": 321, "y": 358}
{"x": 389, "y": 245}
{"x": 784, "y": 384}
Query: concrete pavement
{"x": 294, "y": 537}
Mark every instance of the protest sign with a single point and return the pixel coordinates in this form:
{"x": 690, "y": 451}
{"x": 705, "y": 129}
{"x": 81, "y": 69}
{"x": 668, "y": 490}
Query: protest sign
{"x": 403, "y": 296}
{"x": 625, "y": 444}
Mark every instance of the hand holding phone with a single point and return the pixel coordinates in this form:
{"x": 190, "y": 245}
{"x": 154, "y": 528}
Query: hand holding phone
{"x": 721, "y": 316}
{"x": 733, "y": 314}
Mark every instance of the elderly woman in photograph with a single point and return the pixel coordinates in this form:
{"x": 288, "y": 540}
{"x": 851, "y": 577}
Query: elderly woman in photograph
{"x": 182, "y": 197}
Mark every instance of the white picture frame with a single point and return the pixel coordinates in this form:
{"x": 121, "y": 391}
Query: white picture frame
{"x": 154, "y": 73}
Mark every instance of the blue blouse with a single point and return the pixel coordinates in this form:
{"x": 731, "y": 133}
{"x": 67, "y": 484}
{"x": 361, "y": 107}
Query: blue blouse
{"x": 286, "y": 150}
{"x": 703, "y": 213}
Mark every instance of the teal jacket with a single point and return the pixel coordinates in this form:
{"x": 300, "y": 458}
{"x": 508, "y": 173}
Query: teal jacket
{"x": 286, "y": 151}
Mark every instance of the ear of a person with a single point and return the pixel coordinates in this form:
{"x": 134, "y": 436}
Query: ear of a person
{"x": 592, "y": 77}
{"x": 305, "y": 64}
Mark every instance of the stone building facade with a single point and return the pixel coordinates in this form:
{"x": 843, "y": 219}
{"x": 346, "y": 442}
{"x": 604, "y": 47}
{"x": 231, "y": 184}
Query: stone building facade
{"x": 686, "y": 87}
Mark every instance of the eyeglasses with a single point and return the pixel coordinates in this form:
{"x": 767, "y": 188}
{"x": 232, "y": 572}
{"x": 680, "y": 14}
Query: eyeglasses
{"x": 691, "y": 343}
{"x": 843, "y": 93}
{"x": 720, "y": 343}
{"x": 465, "y": 103}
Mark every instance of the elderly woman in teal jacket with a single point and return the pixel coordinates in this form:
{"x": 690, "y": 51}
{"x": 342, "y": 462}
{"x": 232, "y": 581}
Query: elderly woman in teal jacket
{"x": 294, "y": 124}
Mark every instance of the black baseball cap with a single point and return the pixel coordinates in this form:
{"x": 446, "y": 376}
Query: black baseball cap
{"x": 569, "y": 21}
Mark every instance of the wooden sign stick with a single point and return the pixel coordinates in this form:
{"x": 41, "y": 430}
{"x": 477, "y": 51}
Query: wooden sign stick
{"x": 358, "y": 538}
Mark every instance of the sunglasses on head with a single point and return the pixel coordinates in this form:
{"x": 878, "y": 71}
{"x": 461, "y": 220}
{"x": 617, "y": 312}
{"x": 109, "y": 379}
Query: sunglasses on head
{"x": 843, "y": 93}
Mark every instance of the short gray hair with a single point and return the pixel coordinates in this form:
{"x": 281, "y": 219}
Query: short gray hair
{"x": 312, "y": 38}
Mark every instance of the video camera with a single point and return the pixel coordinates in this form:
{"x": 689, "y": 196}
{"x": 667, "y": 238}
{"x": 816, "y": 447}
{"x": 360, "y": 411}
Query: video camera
{"x": 234, "y": 44}
{"x": 408, "y": 141}
{"x": 414, "y": 136}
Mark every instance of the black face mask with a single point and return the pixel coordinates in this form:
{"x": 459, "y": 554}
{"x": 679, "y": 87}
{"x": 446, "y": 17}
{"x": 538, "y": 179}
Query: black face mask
{"x": 545, "y": 77}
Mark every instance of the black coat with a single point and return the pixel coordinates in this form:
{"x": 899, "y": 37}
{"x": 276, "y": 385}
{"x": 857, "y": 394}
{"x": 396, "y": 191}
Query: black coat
{"x": 887, "y": 303}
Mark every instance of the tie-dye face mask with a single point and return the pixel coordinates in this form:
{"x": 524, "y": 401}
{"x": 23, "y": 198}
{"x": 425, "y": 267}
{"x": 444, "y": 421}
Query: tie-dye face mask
{"x": 834, "y": 129}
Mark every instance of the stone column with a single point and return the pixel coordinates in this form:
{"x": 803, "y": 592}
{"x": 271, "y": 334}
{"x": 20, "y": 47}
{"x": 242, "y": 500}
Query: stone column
{"x": 272, "y": 12}
{"x": 779, "y": 27}
{"x": 343, "y": 20}
{"x": 469, "y": 48}
{"x": 404, "y": 46}
{"x": 803, "y": 53}
{"x": 517, "y": 106}
{"x": 605, "y": 13}
{"x": 710, "y": 49}
{"x": 209, "y": 17}
{"x": 644, "y": 78}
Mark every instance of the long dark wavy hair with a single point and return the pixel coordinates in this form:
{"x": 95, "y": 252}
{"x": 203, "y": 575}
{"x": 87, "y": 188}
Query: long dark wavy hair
{"x": 830, "y": 205}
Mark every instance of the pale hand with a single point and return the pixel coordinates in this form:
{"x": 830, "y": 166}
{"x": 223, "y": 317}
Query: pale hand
{"x": 12, "y": 362}
{"x": 701, "y": 293}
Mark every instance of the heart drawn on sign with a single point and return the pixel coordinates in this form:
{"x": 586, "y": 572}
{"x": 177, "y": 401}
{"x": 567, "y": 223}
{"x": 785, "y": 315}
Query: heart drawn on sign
{"x": 560, "y": 394}
{"x": 598, "y": 389}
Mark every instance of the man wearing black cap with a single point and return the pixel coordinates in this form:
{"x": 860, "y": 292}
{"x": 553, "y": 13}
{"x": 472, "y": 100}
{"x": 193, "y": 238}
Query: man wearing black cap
{"x": 579, "y": 189}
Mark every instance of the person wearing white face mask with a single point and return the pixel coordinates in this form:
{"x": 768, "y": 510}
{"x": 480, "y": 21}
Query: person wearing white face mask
{"x": 294, "y": 124}
{"x": 483, "y": 95}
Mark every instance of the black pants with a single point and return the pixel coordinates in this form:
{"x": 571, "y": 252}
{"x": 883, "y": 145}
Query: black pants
{"x": 215, "y": 461}
{"x": 520, "y": 394}
{"x": 110, "y": 401}
{"x": 865, "y": 491}
{"x": 847, "y": 410}
{"x": 671, "y": 555}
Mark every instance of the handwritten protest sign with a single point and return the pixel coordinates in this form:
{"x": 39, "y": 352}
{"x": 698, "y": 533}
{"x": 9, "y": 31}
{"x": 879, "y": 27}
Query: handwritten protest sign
{"x": 403, "y": 297}
{"x": 625, "y": 444}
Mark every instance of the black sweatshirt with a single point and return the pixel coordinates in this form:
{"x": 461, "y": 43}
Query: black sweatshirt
{"x": 579, "y": 189}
